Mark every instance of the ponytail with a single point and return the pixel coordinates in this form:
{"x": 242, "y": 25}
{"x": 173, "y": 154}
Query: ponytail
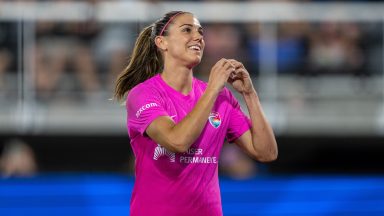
{"x": 146, "y": 60}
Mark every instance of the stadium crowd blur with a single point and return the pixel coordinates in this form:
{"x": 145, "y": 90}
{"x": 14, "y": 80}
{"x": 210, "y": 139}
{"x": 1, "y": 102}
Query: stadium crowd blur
{"x": 86, "y": 56}
{"x": 78, "y": 61}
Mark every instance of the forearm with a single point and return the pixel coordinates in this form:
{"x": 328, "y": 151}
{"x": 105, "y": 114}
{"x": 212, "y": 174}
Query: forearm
{"x": 189, "y": 129}
{"x": 263, "y": 138}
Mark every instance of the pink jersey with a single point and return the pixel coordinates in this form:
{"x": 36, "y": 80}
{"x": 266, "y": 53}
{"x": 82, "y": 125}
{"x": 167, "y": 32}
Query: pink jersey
{"x": 187, "y": 183}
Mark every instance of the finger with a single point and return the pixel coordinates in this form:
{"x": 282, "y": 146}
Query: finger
{"x": 229, "y": 65}
{"x": 219, "y": 63}
{"x": 233, "y": 61}
{"x": 236, "y": 63}
{"x": 233, "y": 75}
{"x": 223, "y": 62}
{"x": 231, "y": 68}
{"x": 242, "y": 71}
{"x": 237, "y": 74}
{"x": 225, "y": 65}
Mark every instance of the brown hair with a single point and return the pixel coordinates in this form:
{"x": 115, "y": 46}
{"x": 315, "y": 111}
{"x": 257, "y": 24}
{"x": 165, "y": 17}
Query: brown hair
{"x": 146, "y": 60}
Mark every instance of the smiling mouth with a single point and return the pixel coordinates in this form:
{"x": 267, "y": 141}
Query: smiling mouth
{"x": 195, "y": 48}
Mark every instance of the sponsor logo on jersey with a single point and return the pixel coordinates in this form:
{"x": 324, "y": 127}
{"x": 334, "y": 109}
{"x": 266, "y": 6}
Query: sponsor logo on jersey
{"x": 162, "y": 152}
{"x": 191, "y": 156}
{"x": 145, "y": 107}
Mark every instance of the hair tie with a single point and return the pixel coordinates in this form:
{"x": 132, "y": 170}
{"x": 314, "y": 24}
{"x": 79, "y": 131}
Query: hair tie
{"x": 166, "y": 24}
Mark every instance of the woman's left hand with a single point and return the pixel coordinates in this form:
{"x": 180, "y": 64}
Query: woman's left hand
{"x": 240, "y": 78}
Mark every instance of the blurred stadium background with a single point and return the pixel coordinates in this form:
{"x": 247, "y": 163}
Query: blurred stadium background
{"x": 317, "y": 65}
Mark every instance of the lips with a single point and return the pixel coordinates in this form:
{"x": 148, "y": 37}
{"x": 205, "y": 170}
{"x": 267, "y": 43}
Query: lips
{"x": 196, "y": 47}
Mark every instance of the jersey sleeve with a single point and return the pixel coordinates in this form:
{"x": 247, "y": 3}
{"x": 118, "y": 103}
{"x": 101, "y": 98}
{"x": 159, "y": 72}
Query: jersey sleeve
{"x": 239, "y": 123}
{"x": 143, "y": 106}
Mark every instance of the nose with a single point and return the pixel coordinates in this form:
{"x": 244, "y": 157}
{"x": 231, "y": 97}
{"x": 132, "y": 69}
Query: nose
{"x": 197, "y": 36}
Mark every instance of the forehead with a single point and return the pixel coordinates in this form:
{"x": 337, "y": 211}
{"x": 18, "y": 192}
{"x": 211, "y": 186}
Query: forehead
{"x": 186, "y": 18}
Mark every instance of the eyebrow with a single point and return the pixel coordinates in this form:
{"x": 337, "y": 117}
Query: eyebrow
{"x": 191, "y": 25}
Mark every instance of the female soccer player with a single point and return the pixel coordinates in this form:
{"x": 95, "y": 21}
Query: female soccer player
{"x": 177, "y": 124}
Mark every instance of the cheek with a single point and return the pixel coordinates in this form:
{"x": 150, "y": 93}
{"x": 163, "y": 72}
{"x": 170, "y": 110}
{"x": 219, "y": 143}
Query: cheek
{"x": 177, "y": 45}
{"x": 177, "y": 50}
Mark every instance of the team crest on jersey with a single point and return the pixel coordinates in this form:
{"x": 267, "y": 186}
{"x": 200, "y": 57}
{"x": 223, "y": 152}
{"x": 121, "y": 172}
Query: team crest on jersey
{"x": 161, "y": 151}
{"x": 215, "y": 119}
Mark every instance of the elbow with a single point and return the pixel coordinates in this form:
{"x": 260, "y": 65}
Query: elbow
{"x": 177, "y": 146}
{"x": 267, "y": 156}
{"x": 270, "y": 153}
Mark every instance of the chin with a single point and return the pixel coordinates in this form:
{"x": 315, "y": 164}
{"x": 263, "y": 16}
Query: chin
{"x": 194, "y": 63}
{"x": 193, "y": 60}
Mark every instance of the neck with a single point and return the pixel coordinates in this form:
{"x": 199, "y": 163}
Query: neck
{"x": 179, "y": 78}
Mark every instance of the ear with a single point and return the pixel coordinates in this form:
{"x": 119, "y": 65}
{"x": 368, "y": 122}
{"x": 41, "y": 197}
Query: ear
{"x": 161, "y": 43}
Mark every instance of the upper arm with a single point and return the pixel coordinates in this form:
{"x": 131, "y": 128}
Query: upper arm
{"x": 148, "y": 116}
{"x": 245, "y": 143}
{"x": 143, "y": 107}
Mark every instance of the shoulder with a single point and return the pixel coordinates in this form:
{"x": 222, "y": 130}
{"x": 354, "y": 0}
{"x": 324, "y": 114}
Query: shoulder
{"x": 142, "y": 93}
{"x": 226, "y": 93}
{"x": 147, "y": 87}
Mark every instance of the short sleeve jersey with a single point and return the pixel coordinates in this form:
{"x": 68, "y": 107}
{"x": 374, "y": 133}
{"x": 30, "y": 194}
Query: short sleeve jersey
{"x": 169, "y": 183}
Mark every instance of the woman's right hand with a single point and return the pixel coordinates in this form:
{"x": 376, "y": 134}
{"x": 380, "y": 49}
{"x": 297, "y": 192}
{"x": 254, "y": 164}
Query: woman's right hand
{"x": 220, "y": 73}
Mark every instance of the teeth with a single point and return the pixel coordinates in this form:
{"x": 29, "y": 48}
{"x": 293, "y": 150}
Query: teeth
{"x": 195, "y": 48}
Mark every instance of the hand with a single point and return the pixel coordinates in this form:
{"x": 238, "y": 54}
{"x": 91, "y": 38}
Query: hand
{"x": 220, "y": 74}
{"x": 240, "y": 78}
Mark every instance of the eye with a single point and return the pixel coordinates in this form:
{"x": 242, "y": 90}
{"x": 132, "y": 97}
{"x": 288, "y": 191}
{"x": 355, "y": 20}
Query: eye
{"x": 187, "y": 29}
{"x": 201, "y": 32}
